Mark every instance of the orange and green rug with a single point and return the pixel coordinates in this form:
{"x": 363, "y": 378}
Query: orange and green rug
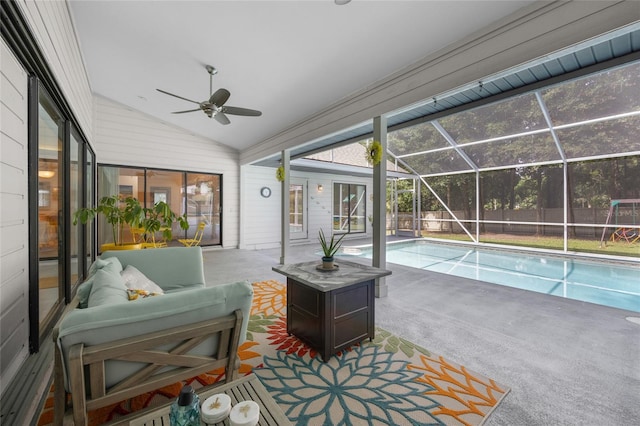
{"x": 387, "y": 381}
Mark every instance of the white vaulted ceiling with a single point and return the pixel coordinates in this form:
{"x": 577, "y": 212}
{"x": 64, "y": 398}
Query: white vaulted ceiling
{"x": 289, "y": 59}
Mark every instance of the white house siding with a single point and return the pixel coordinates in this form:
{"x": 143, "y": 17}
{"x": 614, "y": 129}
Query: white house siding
{"x": 52, "y": 27}
{"x": 14, "y": 232}
{"x": 260, "y": 216}
{"x": 128, "y": 137}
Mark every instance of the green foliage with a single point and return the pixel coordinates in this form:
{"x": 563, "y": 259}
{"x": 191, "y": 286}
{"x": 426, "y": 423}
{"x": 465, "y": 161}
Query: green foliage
{"x": 332, "y": 247}
{"x": 119, "y": 211}
{"x": 159, "y": 217}
{"x": 513, "y": 186}
{"x": 550, "y": 243}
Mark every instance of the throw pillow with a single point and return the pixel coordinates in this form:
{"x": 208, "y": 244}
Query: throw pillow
{"x": 140, "y": 294}
{"x": 137, "y": 281}
{"x": 112, "y": 264}
{"x": 107, "y": 288}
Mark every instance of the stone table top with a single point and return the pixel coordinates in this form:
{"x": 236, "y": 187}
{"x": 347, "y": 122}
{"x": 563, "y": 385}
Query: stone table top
{"x": 347, "y": 273}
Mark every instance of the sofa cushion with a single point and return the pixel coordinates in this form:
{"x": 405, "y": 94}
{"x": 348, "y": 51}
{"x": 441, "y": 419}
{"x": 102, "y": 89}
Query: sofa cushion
{"x": 108, "y": 323}
{"x": 107, "y": 289}
{"x": 111, "y": 264}
{"x": 137, "y": 281}
{"x": 172, "y": 268}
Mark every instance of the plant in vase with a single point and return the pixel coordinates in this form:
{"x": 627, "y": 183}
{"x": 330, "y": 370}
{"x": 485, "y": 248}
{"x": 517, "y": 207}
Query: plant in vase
{"x": 118, "y": 212}
{"x": 329, "y": 249}
{"x": 161, "y": 218}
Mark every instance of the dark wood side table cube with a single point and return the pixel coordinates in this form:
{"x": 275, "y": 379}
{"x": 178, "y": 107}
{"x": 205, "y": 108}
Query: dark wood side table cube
{"x": 331, "y": 310}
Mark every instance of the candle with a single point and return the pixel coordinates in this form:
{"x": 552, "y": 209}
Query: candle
{"x": 245, "y": 413}
{"x": 216, "y": 408}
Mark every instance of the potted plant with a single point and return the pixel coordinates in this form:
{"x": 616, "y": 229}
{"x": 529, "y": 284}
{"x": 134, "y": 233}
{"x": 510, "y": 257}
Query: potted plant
{"x": 118, "y": 212}
{"x": 161, "y": 218}
{"x": 329, "y": 249}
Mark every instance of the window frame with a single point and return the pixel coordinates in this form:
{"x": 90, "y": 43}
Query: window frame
{"x": 350, "y": 216}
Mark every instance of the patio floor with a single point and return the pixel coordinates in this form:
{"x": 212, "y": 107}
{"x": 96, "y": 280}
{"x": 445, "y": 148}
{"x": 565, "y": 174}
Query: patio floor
{"x": 567, "y": 362}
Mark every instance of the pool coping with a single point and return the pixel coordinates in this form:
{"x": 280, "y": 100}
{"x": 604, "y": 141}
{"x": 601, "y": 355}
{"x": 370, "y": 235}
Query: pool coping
{"x": 605, "y": 259}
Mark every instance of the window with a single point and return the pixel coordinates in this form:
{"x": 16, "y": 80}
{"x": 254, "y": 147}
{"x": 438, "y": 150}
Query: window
{"x": 203, "y": 197}
{"x": 62, "y": 167}
{"x": 297, "y": 209}
{"x": 349, "y": 208}
{"x": 199, "y": 195}
{"x": 50, "y": 295}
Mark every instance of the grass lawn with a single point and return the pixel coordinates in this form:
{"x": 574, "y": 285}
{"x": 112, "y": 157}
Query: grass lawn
{"x": 551, "y": 243}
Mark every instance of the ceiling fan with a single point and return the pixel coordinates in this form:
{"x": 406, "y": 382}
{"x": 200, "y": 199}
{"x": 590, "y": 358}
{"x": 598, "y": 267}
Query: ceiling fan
{"x": 215, "y": 106}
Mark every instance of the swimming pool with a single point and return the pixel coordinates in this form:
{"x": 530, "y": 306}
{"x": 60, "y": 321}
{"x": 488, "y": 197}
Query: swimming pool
{"x": 596, "y": 282}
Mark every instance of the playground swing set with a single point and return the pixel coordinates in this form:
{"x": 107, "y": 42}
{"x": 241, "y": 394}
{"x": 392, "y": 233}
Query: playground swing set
{"x": 629, "y": 232}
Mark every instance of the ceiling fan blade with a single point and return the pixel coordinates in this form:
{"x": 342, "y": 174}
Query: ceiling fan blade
{"x": 182, "y": 112}
{"x": 219, "y": 97}
{"x": 176, "y": 96}
{"x": 221, "y": 118}
{"x": 241, "y": 111}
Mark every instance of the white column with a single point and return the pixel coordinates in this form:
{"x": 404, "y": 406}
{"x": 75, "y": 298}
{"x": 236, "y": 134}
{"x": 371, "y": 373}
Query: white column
{"x": 243, "y": 203}
{"x": 284, "y": 208}
{"x": 379, "y": 205}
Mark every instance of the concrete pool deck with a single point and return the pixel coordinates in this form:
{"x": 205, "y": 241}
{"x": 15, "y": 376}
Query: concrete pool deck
{"x": 567, "y": 362}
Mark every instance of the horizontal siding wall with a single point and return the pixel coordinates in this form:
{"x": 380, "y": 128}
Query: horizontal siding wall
{"x": 52, "y": 26}
{"x": 261, "y": 216}
{"x": 14, "y": 232}
{"x": 128, "y": 137}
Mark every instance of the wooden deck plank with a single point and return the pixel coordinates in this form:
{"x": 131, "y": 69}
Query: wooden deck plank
{"x": 245, "y": 388}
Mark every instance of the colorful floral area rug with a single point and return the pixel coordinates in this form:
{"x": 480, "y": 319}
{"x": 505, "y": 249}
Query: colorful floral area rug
{"x": 386, "y": 381}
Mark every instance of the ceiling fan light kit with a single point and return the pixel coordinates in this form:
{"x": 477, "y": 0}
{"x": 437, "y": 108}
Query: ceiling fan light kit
{"x": 215, "y": 107}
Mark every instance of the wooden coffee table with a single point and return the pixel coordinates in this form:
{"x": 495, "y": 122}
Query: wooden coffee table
{"x": 243, "y": 389}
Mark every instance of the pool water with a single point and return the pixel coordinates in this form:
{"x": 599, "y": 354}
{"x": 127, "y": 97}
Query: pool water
{"x": 598, "y": 282}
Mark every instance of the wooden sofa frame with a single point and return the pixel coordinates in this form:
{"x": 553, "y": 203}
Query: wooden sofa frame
{"x": 142, "y": 349}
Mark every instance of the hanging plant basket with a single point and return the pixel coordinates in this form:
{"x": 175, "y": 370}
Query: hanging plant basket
{"x": 374, "y": 153}
{"x": 280, "y": 173}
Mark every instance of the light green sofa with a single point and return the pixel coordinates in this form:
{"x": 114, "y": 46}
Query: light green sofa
{"x": 115, "y": 348}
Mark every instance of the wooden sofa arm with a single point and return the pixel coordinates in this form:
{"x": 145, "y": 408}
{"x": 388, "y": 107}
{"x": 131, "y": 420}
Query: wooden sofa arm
{"x": 144, "y": 349}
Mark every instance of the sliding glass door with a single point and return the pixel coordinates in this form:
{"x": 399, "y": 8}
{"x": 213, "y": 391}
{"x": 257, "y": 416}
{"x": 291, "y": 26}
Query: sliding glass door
{"x": 203, "y": 200}
{"x": 199, "y": 195}
{"x": 349, "y": 208}
{"x": 50, "y": 293}
{"x": 61, "y": 177}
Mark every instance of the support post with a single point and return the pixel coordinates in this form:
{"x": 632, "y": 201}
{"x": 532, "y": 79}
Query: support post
{"x": 379, "y": 205}
{"x": 418, "y": 188}
{"x": 284, "y": 207}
